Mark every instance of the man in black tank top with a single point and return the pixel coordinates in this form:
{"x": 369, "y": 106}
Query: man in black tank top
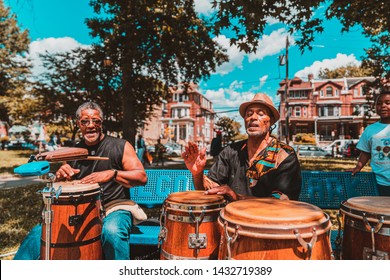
{"x": 115, "y": 176}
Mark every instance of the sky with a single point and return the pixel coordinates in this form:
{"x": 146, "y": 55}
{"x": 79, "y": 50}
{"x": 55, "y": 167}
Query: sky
{"x": 58, "y": 25}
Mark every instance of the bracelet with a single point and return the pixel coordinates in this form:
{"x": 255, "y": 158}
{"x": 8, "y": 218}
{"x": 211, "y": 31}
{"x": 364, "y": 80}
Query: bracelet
{"x": 115, "y": 173}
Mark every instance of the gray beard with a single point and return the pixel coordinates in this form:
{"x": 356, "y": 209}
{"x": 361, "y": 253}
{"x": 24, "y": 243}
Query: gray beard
{"x": 257, "y": 133}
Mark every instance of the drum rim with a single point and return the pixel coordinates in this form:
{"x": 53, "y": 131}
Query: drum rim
{"x": 207, "y": 207}
{"x": 358, "y": 214}
{"x": 78, "y": 194}
{"x": 288, "y": 232}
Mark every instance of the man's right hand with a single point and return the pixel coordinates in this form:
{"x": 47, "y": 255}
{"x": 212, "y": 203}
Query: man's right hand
{"x": 194, "y": 159}
{"x": 66, "y": 172}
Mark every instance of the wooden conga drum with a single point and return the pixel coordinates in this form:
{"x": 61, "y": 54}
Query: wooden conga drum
{"x": 271, "y": 229}
{"x": 366, "y": 223}
{"x": 189, "y": 228}
{"x": 76, "y": 225}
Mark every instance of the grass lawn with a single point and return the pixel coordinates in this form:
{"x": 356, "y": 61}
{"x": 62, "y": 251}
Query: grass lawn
{"x": 21, "y": 207}
{"x": 11, "y": 159}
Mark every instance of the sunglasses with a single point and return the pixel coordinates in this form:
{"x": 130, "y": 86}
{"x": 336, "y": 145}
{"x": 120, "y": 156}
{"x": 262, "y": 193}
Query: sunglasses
{"x": 95, "y": 122}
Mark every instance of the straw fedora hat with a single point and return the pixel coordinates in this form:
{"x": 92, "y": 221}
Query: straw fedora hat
{"x": 261, "y": 98}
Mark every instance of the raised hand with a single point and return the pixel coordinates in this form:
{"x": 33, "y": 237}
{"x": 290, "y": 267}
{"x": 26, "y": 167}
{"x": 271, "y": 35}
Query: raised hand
{"x": 194, "y": 159}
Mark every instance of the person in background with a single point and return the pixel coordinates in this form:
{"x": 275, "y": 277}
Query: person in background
{"x": 216, "y": 145}
{"x": 115, "y": 176}
{"x": 374, "y": 145}
{"x": 260, "y": 166}
{"x": 159, "y": 149}
{"x": 141, "y": 148}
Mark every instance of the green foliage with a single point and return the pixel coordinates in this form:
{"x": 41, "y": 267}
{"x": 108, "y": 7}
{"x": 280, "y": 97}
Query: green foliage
{"x": 230, "y": 129}
{"x": 16, "y": 103}
{"x": 153, "y": 44}
{"x": 345, "y": 71}
{"x": 304, "y": 138}
{"x": 248, "y": 20}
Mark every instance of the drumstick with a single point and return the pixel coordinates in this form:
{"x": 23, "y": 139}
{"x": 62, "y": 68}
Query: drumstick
{"x": 78, "y": 158}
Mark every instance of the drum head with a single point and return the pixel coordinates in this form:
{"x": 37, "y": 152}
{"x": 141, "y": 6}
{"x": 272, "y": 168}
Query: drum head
{"x": 372, "y": 204}
{"x": 74, "y": 187}
{"x": 194, "y": 197}
{"x": 274, "y": 215}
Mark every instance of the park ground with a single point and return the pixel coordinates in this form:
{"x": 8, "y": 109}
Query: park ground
{"x": 21, "y": 206}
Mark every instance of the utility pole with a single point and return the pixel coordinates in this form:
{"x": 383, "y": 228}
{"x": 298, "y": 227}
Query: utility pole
{"x": 286, "y": 97}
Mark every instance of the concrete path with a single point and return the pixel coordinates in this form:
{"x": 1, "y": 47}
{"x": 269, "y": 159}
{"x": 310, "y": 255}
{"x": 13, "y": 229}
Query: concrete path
{"x": 10, "y": 181}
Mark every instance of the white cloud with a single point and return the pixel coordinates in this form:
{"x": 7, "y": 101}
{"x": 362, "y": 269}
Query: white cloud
{"x": 50, "y": 45}
{"x": 203, "y": 7}
{"x": 268, "y": 45}
{"x": 333, "y": 63}
{"x": 235, "y": 56}
{"x": 262, "y": 81}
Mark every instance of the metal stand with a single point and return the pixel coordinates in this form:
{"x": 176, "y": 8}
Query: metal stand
{"x": 48, "y": 194}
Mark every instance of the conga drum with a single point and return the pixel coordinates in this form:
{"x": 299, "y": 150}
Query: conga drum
{"x": 366, "y": 223}
{"x": 271, "y": 229}
{"x": 189, "y": 229}
{"x": 76, "y": 223}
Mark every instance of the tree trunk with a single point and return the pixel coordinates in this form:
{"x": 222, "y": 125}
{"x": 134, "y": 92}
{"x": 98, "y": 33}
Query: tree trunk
{"x": 129, "y": 125}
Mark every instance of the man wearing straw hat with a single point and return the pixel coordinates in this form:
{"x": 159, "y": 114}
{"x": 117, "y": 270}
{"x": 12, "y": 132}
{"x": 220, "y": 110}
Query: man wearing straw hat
{"x": 260, "y": 166}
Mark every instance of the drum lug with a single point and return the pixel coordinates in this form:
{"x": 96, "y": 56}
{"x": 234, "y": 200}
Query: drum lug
{"x": 163, "y": 230}
{"x": 197, "y": 241}
{"x": 307, "y": 245}
{"x": 369, "y": 254}
{"x": 372, "y": 253}
{"x": 230, "y": 239}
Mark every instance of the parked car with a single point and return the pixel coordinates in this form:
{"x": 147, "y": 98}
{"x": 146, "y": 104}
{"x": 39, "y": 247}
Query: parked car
{"x": 21, "y": 146}
{"x": 341, "y": 143}
{"x": 311, "y": 151}
{"x": 173, "y": 149}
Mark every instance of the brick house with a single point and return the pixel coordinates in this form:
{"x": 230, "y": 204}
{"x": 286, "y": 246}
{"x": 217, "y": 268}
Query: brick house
{"x": 186, "y": 116}
{"x": 332, "y": 108}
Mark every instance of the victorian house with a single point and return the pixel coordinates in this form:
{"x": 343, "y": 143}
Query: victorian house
{"x": 329, "y": 109}
{"x": 186, "y": 116}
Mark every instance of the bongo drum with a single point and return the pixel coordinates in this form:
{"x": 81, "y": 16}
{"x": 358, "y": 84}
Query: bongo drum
{"x": 76, "y": 225}
{"x": 366, "y": 223}
{"x": 189, "y": 228}
{"x": 271, "y": 229}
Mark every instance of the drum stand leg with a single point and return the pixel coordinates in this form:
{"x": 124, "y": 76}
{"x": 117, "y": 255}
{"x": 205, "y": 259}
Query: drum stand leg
{"x": 48, "y": 194}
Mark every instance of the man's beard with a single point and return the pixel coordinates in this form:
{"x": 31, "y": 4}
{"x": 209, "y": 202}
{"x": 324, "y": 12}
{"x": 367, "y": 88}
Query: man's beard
{"x": 258, "y": 133}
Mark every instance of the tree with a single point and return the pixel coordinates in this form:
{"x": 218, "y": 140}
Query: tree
{"x": 247, "y": 19}
{"x": 16, "y": 102}
{"x": 230, "y": 129}
{"x": 345, "y": 71}
{"x": 154, "y": 44}
{"x": 74, "y": 77}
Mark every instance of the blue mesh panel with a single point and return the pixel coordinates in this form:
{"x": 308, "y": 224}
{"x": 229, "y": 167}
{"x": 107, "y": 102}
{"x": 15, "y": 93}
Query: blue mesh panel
{"x": 161, "y": 182}
{"x": 328, "y": 189}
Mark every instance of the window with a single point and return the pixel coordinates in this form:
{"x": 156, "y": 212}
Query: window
{"x": 337, "y": 92}
{"x": 321, "y": 93}
{"x": 297, "y": 111}
{"x": 183, "y": 131}
{"x": 328, "y": 111}
{"x": 304, "y": 111}
{"x": 329, "y": 91}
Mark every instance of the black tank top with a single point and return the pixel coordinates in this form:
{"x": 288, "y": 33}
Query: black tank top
{"x": 110, "y": 147}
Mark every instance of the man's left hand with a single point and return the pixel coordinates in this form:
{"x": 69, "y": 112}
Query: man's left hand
{"x": 224, "y": 190}
{"x": 98, "y": 177}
